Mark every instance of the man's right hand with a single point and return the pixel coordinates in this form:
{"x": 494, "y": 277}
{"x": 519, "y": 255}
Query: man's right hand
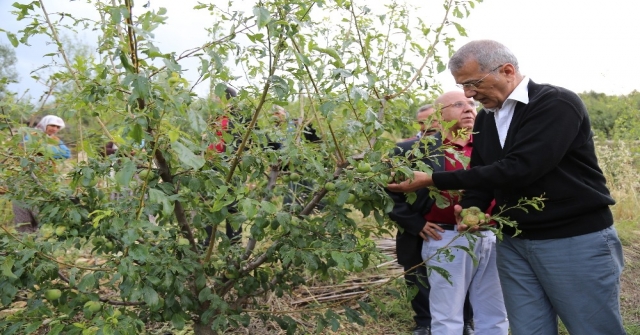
{"x": 430, "y": 230}
{"x": 420, "y": 180}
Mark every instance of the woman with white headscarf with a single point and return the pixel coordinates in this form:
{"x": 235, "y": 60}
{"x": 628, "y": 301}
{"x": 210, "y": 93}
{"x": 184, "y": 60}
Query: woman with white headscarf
{"x": 50, "y": 125}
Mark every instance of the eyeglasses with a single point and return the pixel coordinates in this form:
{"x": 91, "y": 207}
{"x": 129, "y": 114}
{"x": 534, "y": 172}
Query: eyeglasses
{"x": 462, "y": 104}
{"x": 474, "y": 85}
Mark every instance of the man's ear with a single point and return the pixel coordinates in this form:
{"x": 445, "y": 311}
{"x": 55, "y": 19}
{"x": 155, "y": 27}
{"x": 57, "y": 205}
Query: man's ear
{"x": 509, "y": 69}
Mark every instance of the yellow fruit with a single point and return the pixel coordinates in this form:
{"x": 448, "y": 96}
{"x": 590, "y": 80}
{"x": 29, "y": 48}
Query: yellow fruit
{"x": 294, "y": 177}
{"x": 351, "y": 199}
{"x": 93, "y": 306}
{"x": 145, "y": 174}
{"x": 183, "y": 241}
{"x": 329, "y": 186}
{"x": 363, "y": 167}
{"x": 471, "y": 220}
{"x": 60, "y": 230}
{"x": 93, "y": 182}
{"x": 52, "y": 294}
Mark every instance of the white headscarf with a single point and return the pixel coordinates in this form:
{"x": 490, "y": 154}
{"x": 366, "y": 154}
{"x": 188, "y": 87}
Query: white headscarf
{"x": 50, "y": 119}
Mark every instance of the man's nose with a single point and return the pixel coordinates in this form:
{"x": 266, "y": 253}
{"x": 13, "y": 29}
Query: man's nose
{"x": 469, "y": 93}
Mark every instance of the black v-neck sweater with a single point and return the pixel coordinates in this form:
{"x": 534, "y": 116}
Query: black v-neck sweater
{"x": 549, "y": 151}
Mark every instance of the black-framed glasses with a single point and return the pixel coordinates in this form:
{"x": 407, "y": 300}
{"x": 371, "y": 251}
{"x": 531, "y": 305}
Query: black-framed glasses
{"x": 474, "y": 85}
{"x": 462, "y": 104}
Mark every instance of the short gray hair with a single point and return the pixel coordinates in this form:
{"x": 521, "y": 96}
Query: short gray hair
{"x": 488, "y": 53}
{"x": 424, "y": 108}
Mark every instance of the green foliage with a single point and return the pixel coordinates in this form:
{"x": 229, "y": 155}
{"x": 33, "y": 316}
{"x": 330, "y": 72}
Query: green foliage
{"x": 143, "y": 212}
{"x": 614, "y": 117}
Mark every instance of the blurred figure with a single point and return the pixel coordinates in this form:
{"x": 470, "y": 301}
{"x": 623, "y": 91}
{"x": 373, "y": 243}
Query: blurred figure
{"x": 51, "y": 125}
{"x": 426, "y": 128}
{"x": 52, "y": 145}
{"x": 424, "y": 113}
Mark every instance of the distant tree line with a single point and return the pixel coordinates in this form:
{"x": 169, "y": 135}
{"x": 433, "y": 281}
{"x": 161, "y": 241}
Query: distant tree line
{"x": 614, "y": 117}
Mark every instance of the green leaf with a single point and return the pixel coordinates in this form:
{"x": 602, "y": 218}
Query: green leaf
{"x": 12, "y": 38}
{"x": 124, "y": 175}
{"x": 157, "y": 196}
{"x": 56, "y": 329}
{"x": 220, "y": 90}
{"x": 353, "y": 316}
{"x": 33, "y": 327}
{"x": 196, "y": 121}
{"x": 368, "y": 309}
{"x": 358, "y": 94}
{"x": 411, "y": 197}
{"x": 262, "y": 16}
{"x": 339, "y": 258}
{"x": 461, "y": 30}
{"x": 177, "y": 321}
{"x": 150, "y": 296}
{"x": 186, "y": 156}
{"x": 7, "y": 266}
{"x": 141, "y": 86}
{"x": 268, "y": 207}
{"x": 136, "y": 133}
{"x": 116, "y": 16}
{"x": 125, "y": 61}
{"x": 87, "y": 283}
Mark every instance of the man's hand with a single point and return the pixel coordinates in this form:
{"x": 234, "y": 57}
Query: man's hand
{"x": 420, "y": 180}
{"x": 431, "y": 230}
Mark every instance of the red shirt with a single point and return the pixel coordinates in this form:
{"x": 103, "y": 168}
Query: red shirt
{"x": 446, "y": 215}
{"x": 224, "y": 125}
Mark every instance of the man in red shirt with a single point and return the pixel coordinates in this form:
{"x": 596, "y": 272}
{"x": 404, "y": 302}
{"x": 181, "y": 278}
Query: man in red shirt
{"x": 479, "y": 278}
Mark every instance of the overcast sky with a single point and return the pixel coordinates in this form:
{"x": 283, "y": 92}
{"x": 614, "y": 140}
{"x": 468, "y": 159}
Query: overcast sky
{"x": 581, "y": 45}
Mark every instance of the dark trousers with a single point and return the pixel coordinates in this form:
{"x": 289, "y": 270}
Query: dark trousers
{"x": 420, "y": 302}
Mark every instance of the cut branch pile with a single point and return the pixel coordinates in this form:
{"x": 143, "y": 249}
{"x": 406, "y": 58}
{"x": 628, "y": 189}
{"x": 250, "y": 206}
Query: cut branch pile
{"x": 357, "y": 285}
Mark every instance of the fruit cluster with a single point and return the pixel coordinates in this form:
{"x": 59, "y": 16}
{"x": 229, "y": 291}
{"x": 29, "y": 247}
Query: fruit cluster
{"x": 472, "y": 216}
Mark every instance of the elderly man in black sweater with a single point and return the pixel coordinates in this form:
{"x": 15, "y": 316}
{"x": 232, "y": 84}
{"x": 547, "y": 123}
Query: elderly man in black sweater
{"x": 536, "y": 140}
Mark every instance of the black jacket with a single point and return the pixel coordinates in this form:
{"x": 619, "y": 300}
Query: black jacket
{"x": 410, "y": 217}
{"x": 549, "y": 150}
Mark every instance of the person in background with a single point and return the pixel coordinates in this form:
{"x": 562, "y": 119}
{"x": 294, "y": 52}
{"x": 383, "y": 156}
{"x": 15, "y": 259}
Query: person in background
{"x": 24, "y": 217}
{"x": 535, "y": 140}
{"x": 422, "y": 116}
{"x": 226, "y": 124}
{"x": 54, "y": 146}
{"x": 300, "y": 190}
{"x": 413, "y": 219}
{"x": 476, "y": 278}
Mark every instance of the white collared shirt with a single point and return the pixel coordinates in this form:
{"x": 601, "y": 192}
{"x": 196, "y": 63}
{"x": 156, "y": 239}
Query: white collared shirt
{"x": 504, "y": 114}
